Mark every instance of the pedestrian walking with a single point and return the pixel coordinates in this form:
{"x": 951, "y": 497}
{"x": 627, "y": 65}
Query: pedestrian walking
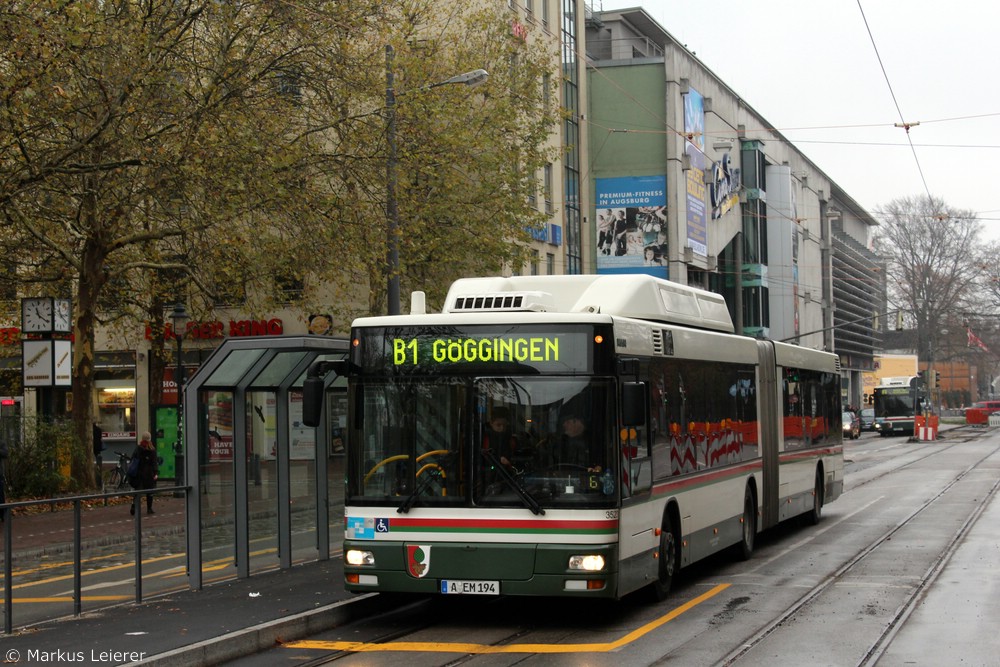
{"x": 147, "y": 470}
{"x": 98, "y": 435}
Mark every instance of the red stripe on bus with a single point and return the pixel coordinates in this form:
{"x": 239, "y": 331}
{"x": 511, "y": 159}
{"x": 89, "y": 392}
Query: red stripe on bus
{"x": 700, "y": 479}
{"x": 486, "y": 524}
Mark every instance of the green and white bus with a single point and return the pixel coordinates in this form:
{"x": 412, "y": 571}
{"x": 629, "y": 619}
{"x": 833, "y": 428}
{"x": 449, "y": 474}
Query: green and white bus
{"x": 687, "y": 438}
{"x": 898, "y": 401}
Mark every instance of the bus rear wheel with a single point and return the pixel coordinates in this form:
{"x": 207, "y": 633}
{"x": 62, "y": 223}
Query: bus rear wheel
{"x": 749, "y": 525}
{"x": 813, "y": 516}
{"x": 668, "y": 560}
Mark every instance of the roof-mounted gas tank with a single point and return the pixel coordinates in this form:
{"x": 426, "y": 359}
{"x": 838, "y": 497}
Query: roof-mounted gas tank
{"x": 637, "y": 296}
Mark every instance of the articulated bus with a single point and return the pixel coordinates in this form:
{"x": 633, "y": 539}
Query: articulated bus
{"x": 898, "y": 400}
{"x": 572, "y": 436}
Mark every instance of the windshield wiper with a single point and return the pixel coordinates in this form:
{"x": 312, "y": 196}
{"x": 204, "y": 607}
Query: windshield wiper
{"x": 432, "y": 475}
{"x": 512, "y": 482}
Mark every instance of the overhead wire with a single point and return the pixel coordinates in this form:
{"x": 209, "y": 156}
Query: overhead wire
{"x": 902, "y": 120}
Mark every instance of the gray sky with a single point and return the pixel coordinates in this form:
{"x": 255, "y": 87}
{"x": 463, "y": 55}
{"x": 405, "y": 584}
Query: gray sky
{"x": 810, "y": 68}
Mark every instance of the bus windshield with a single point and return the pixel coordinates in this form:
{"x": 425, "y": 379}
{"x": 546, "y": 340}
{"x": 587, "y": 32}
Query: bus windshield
{"x": 893, "y": 402}
{"x": 536, "y": 442}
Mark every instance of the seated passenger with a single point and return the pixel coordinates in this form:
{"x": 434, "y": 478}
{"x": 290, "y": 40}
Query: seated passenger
{"x": 574, "y": 443}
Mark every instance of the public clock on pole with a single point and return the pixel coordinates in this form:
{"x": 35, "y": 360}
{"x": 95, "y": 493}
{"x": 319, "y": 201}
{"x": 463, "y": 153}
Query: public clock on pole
{"x": 37, "y": 314}
{"x": 62, "y": 316}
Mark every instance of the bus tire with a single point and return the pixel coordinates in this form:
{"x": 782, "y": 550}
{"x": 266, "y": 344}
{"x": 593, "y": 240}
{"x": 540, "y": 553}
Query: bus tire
{"x": 813, "y": 516}
{"x": 748, "y": 526}
{"x": 668, "y": 559}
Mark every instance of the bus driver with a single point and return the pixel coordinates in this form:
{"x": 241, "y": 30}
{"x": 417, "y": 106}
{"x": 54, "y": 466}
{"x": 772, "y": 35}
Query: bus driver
{"x": 498, "y": 437}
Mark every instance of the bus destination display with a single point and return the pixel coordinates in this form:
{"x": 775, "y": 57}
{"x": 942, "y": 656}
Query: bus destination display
{"x": 525, "y": 349}
{"x": 471, "y": 349}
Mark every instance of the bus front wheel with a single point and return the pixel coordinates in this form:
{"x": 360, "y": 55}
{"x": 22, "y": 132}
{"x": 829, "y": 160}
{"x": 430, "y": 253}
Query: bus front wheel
{"x": 668, "y": 558}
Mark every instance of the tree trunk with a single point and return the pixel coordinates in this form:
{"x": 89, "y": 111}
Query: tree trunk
{"x": 89, "y": 285}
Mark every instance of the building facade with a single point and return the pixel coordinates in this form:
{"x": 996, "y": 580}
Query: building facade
{"x": 703, "y": 191}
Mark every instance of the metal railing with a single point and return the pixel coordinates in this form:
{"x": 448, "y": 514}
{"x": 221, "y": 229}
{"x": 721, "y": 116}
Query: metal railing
{"x": 77, "y": 502}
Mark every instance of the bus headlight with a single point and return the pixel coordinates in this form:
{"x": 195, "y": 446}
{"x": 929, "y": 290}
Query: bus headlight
{"x": 587, "y": 563}
{"x": 359, "y": 557}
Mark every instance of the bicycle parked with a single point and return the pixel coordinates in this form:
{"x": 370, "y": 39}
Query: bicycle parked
{"x": 116, "y": 479}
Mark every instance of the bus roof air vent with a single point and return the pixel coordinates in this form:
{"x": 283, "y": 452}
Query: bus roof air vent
{"x": 538, "y": 302}
{"x": 663, "y": 342}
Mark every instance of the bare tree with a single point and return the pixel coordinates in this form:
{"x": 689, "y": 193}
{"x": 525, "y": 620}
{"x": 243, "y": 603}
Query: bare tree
{"x": 934, "y": 259}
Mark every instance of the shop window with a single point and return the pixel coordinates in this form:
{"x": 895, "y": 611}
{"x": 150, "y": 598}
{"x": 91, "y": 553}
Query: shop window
{"x": 547, "y": 188}
{"x": 116, "y": 410}
{"x": 289, "y": 287}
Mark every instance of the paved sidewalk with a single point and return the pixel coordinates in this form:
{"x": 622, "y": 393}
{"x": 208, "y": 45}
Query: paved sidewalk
{"x": 49, "y": 532}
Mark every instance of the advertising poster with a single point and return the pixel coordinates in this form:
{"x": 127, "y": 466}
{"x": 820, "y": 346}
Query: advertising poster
{"x": 632, "y": 225}
{"x": 64, "y": 363}
{"x": 301, "y": 438}
{"x": 337, "y": 410}
{"x": 697, "y": 191}
{"x": 36, "y": 362}
{"x": 165, "y": 436}
{"x": 262, "y": 436}
{"x": 724, "y": 188}
{"x": 220, "y": 426}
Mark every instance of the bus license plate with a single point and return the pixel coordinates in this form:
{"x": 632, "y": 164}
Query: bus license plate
{"x": 461, "y": 587}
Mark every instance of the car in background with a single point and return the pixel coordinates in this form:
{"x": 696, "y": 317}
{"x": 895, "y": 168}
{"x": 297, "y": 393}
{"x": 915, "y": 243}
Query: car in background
{"x": 852, "y": 425}
{"x": 867, "y": 419}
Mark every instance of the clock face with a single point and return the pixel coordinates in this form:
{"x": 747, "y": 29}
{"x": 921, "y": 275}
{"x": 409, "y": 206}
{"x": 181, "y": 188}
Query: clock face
{"x": 62, "y": 317}
{"x": 36, "y": 314}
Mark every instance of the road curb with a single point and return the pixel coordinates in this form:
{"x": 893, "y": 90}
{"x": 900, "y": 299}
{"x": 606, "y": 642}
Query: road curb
{"x": 241, "y": 643}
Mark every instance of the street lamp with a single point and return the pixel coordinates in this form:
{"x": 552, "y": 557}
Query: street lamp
{"x": 180, "y": 318}
{"x": 471, "y": 79}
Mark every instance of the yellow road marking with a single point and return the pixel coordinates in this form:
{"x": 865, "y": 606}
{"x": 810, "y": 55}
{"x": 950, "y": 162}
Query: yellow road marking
{"x": 68, "y": 563}
{"x": 110, "y": 568}
{"x": 85, "y": 598}
{"x": 120, "y": 566}
{"x": 209, "y": 566}
{"x": 446, "y": 647}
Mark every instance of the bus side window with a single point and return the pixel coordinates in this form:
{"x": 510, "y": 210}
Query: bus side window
{"x": 633, "y": 403}
{"x": 636, "y": 463}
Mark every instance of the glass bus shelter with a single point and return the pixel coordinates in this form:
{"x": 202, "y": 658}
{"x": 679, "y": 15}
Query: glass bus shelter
{"x": 262, "y": 482}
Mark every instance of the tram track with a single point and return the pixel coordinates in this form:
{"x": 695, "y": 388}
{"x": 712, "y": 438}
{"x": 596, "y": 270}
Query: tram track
{"x": 928, "y": 448}
{"x": 913, "y": 596}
